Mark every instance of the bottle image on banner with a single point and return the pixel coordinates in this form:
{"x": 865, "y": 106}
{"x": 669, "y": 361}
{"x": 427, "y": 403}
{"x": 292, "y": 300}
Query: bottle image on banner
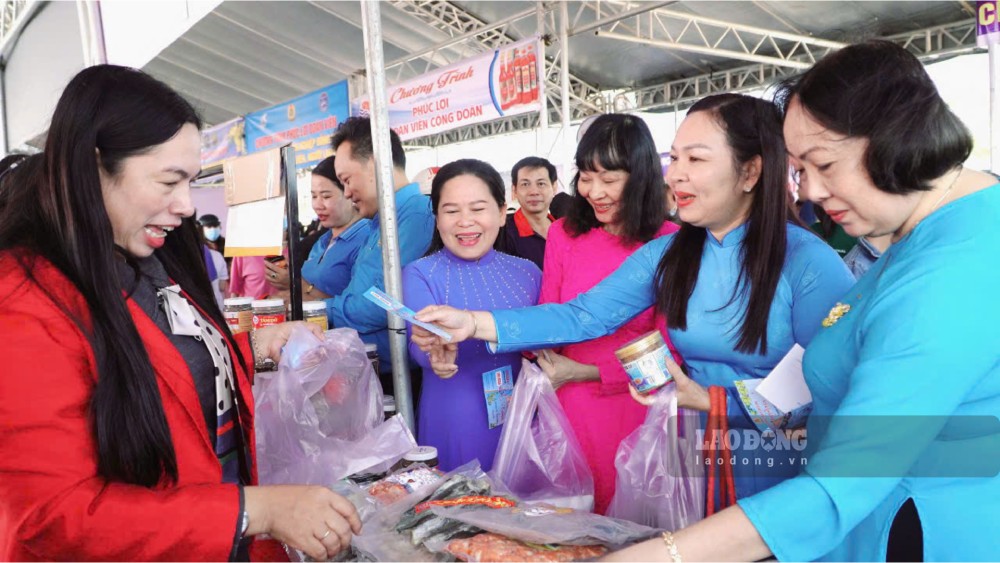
{"x": 525, "y": 77}
{"x": 511, "y": 80}
{"x": 518, "y": 78}
{"x": 532, "y": 65}
{"x": 503, "y": 79}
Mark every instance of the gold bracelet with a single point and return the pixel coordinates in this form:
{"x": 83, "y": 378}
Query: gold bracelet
{"x": 668, "y": 540}
{"x": 475, "y": 323}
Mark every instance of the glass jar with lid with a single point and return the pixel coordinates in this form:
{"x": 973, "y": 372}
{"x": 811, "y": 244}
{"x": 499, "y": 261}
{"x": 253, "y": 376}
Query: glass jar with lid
{"x": 239, "y": 314}
{"x": 315, "y": 312}
{"x": 267, "y": 312}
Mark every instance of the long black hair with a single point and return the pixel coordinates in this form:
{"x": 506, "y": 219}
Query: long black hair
{"x": 753, "y": 128}
{"x": 109, "y": 113}
{"x": 16, "y": 168}
{"x": 462, "y": 167}
{"x": 622, "y": 142}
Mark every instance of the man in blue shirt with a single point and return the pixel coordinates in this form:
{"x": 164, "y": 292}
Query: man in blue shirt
{"x": 355, "y": 167}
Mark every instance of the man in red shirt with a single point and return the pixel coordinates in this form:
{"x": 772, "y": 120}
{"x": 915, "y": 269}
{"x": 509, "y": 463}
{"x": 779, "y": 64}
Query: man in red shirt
{"x": 525, "y": 232}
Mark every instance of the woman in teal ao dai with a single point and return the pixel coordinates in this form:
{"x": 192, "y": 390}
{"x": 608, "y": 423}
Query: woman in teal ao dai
{"x": 740, "y": 283}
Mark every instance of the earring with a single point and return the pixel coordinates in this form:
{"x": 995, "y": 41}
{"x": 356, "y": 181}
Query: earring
{"x": 747, "y": 190}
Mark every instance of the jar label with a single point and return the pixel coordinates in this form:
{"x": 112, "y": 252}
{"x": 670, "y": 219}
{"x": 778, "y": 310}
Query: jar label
{"x": 319, "y": 320}
{"x": 239, "y": 321}
{"x": 649, "y": 371}
{"x": 261, "y": 320}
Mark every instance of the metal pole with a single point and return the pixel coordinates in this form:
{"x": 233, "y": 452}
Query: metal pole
{"x": 91, "y": 32}
{"x": 291, "y": 191}
{"x": 85, "y": 43}
{"x": 3, "y": 111}
{"x": 994, "y": 110}
{"x": 375, "y": 65}
{"x": 564, "y": 75}
{"x": 642, "y": 9}
{"x": 543, "y": 119}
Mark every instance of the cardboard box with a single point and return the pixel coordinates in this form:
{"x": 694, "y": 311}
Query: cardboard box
{"x": 254, "y": 177}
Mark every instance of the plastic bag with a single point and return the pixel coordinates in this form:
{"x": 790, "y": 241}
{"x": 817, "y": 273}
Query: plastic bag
{"x": 660, "y": 480}
{"x": 538, "y": 457}
{"x": 319, "y": 418}
{"x": 379, "y": 540}
{"x": 367, "y": 511}
{"x": 547, "y": 524}
{"x": 496, "y": 548}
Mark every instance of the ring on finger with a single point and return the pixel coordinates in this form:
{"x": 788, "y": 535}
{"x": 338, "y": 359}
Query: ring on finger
{"x": 326, "y": 535}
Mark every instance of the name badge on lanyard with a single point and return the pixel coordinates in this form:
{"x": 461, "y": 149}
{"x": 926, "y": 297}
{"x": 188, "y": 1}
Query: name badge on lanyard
{"x": 498, "y": 386}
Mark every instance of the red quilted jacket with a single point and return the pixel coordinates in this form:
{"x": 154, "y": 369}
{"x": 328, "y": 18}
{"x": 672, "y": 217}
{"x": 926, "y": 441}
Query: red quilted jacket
{"x": 53, "y": 504}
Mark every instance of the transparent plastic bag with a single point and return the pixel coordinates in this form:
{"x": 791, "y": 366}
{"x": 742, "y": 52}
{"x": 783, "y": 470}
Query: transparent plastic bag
{"x": 547, "y": 524}
{"x": 539, "y": 458}
{"x": 318, "y": 419}
{"x": 380, "y": 541}
{"x": 367, "y": 512}
{"x": 661, "y": 482}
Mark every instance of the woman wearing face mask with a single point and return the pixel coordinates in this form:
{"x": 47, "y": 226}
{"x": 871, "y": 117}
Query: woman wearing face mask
{"x": 463, "y": 270}
{"x": 126, "y": 401}
{"x": 327, "y": 271}
{"x": 905, "y": 376}
{"x": 739, "y": 283}
{"x": 212, "y": 229}
{"x": 618, "y": 206}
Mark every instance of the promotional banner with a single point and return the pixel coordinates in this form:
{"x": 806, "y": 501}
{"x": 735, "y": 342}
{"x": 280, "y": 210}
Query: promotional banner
{"x": 504, "y": 82}
{"x": 987, "y": 23}
{"x": 307, "y": 121}
{"x": 223, "y": 141}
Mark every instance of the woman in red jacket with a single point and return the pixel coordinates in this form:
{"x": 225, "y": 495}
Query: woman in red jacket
{"x": 126, "y": 414}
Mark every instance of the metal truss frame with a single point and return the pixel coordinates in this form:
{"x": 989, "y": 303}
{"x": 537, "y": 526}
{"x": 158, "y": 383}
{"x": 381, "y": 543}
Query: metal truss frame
{"x": 13, "y": 15}
{"x": 690, "y": 33}
{"x": 777, "y": 55}
{"x": 927, "y": 44}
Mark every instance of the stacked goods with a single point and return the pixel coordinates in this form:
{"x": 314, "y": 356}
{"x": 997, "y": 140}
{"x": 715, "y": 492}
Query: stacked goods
{"x": 424, "y": 525}
{"x": 398, "y": 486}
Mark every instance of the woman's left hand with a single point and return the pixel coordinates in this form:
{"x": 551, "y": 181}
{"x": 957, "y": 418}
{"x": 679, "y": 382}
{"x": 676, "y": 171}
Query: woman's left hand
{"x": 275, "y": 275}
{"x": 269, "y": 340}
{"x": 690, "y": 395}
{"x": 444, "y": 360}
{"x": 562, "y": 370}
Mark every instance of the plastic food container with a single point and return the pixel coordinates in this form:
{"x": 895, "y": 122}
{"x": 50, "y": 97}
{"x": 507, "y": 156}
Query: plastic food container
{"x": 388, "y": 406}
{"x": 315, "y": 312}
{"x": 427, "y": 455}
{"x": 371, "y": 350}
{"x": 239, "y": 314}
{"x": 267, "y": 312}
{"x": 645, "y": 362}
